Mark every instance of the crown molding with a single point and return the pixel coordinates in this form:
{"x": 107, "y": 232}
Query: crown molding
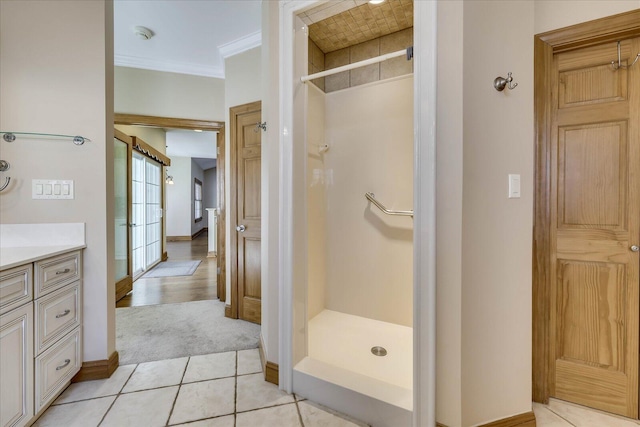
{"x": 168, "y": 66}
{"x": 240, "y": 45}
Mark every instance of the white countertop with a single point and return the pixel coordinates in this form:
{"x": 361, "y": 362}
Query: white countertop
{"x": 13, "y": 257}
{"x": 25, "y": 243}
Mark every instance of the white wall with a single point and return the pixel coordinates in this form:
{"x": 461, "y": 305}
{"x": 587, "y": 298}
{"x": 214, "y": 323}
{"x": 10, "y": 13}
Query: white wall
{"x": 179, "y": 206}
{"x": 449, "y": 213}
{"x": 270, "y": 181}
{"x": 243, "y": 84}
{"x": 197, "y": 173}
{"x": 369, "y": 270}
{"x": 496, "y": 231}
{"x": 56, "y": 77}
{"x": 551, "y": 15}
{"x": 158, "y": 93}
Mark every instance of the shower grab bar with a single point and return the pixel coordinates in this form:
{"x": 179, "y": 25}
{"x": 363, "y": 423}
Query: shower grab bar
{"x": 372, "y": 198}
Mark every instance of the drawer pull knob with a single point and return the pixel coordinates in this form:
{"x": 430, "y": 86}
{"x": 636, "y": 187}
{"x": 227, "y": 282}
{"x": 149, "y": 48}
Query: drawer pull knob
{"x": 66, "y": 270}
{"x": 67, "y": 311}
{"x": 64, "y": 365}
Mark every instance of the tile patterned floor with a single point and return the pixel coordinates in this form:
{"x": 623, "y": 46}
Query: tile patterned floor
{"x": 564, "y": 414}
{"x": 215, "y": 390}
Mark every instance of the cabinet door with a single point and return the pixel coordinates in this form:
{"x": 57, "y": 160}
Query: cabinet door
{"x": 16, "y": 366}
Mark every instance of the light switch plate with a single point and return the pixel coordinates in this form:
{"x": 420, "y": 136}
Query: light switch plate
{"x": 52, "y": 189}
{"x": 514, "y": 186}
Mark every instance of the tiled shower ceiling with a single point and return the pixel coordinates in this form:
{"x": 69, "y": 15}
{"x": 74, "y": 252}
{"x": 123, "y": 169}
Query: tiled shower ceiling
{"x": 357, "y": 25}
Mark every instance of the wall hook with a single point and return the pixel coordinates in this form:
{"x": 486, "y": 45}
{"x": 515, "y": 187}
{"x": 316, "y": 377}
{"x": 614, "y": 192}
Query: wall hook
{"x": 260, "y": 125}
{"x": 619, "y": 65}
{"x": 500, "y": 83}
{"x": 4, "y": 166}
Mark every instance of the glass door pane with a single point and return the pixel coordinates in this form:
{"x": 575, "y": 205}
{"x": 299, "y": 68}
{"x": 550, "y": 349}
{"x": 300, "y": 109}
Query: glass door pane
{"x": 120, "y": 154}
{"x": 137, "y": 214}
{"x": 153, "y": 210}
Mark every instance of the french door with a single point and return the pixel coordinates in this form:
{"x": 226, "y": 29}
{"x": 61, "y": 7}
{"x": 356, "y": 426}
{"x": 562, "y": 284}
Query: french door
{"x": 146, "y": 207}
{"x": 122, "y": 212}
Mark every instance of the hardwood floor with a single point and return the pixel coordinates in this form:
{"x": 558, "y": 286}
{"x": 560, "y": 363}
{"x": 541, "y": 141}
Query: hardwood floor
{"x": 166, "y": 290}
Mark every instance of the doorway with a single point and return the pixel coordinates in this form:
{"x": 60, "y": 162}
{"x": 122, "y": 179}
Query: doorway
{"x": 587, "y": 215}
{"x": 157, "y": 228}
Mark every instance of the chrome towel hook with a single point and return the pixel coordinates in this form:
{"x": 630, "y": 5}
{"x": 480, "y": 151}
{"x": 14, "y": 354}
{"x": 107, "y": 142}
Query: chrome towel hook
{"x": 619, "y": 65}
{"x": 4, "y": 166}
{"x": 500, "y": 83}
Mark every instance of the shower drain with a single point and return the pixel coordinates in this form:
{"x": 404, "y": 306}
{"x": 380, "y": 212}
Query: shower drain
{"x": 379, "y": 351}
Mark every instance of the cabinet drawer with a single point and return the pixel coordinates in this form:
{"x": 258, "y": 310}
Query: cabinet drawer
{"x": 56, "y": 314}
{"x": 55, "y": 367}
{"x": 16, "y": 287}
{"x": 54, "y": 273}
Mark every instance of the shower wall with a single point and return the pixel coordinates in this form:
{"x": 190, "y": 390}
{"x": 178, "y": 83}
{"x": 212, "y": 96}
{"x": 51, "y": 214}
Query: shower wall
{"x": 367, "y": 256}
{"x": 316, "y": 201}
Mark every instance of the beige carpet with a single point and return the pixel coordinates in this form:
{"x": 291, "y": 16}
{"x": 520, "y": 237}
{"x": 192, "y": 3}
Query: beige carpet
{"x": 167, "y": 331}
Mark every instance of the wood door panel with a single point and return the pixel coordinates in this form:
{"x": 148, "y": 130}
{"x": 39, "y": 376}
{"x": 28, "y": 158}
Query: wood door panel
{"x": 590, "y": 386}
{"x": 591, "y": 314}
{"x": 251, "y": 269}
{"x": 592, "y": 175}
{"x": 591, "y": 85}
{"x": 252, "y": 191}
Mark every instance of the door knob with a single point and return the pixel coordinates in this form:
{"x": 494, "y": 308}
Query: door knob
{"x": 241, "y": 228}
{"x": 635, "y": 248}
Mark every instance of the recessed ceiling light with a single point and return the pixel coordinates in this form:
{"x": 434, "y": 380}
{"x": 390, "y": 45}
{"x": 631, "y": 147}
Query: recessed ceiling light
{"x": 376, "y": 1}
{"x": 143, "y": 32}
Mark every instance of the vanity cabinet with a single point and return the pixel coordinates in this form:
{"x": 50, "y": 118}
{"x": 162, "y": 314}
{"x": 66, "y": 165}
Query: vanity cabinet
{"x": 40, "y": 334}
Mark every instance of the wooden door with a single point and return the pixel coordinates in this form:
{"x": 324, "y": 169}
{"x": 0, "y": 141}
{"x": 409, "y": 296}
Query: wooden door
{"x": 122, "y": 213}
{"x": 246, "y": 211}
{"x": 595, "y": 220}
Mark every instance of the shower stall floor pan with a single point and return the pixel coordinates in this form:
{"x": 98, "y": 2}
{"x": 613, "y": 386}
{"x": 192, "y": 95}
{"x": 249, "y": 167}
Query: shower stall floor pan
{"x": 342, "y": 373}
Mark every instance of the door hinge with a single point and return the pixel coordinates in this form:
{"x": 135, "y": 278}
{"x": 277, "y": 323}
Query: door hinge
{"x": 218, "y": 151}
{"x": 218, "y": 270}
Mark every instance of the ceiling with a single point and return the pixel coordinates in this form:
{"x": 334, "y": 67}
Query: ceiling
{"x": 334, "y": 26}
{"x": 190, "y": 36}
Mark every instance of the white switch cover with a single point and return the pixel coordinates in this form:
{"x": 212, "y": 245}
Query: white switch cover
{"x": 514, "y": 186}
{"x": 51, "y": 189}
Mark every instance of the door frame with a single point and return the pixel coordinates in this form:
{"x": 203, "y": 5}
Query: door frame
{"x": 610, "y": 29}
{"x": 231, "y": 310}
{"x": 192, "y": 124}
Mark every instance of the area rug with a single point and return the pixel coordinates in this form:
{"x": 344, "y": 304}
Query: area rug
{"x": 167, "y": 331}
{"x": 172, "y": 268}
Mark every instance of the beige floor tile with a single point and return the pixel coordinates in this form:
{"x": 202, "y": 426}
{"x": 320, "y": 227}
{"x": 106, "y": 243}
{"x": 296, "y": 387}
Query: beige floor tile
{"x": 254, "y": 392}
{"x": 249, "y": 361}
{"x": 210, "y": 367}
{"x": 314, "y": 415}
{"x": 580, "y": 416}
{"x": 87, "y": 413}
{"x": 98, "y": 388}
{"x": 226, "y": 421}
{"x": 197, "y": 401}
{"x": 156, "y": 374}
{"x": 278, "y": 416}
{"x": 546, "y": 418}
{"x": 149, "y": 408}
